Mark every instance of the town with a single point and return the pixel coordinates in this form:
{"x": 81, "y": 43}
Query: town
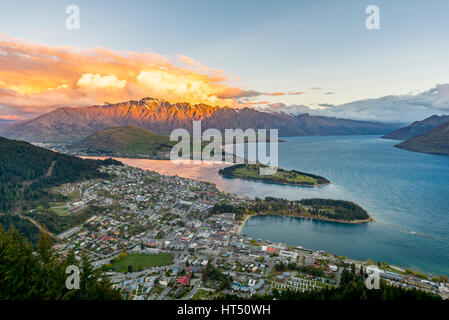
{"x": 156, "y": 237}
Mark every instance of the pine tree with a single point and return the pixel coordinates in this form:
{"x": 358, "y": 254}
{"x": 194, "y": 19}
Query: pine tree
{"x": 40, "y": 275}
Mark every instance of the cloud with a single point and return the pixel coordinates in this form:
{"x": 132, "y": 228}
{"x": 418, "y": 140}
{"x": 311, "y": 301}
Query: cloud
{"x": 36, "y": 78}
{"x": 196, "y": 66}
{"x": 400, "y": 108}
{"x": 281, "y": 107}
{"x": 234, "y": 93}
{"x": 11, "y": 117}
{"x": 255, "y": 103}
{"x": 97, "y": 81}
{"x": 275, "y": 94}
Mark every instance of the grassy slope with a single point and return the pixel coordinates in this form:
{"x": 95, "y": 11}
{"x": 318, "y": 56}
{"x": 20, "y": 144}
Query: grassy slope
{"x": 126, "y": 140}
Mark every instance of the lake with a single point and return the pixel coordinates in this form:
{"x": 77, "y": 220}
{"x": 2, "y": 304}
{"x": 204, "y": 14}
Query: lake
{"x": 407, "y": 193}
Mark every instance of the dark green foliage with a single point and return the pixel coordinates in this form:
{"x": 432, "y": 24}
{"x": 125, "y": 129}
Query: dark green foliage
{"x": 27, "y": 173}
{"x": 57, "y": 224}
{"x": 25, "y": 227}
{"x": 41, "y": 275}
{"x": 229, "y": 208}
{"x": 341, "y": 209}
{"x": 210, "y": 273}
{"x": 332, "y": 209}
{"x": 23, "y": 165}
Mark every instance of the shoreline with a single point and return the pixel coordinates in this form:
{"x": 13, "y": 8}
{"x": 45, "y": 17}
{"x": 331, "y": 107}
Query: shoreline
{"x": 240, "y": 227}
{"x": 370, "y": 219}
{"x": 359, "y": 221}
{"x": 400, "y": 269}
{"x": 279, "y": 183}
{"x": 265, "y": 179}
{"x": 246, "y": 218}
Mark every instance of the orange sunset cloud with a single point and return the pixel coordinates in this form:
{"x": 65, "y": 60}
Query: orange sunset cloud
{"x": 38, "y": 78}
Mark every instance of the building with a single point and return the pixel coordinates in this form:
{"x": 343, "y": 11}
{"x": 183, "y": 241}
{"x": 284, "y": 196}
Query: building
{"x": 184, "y": 280}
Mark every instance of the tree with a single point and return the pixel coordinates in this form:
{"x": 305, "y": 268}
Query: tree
{"x": 41, "y": 275}
{"x": 130, "y": 268}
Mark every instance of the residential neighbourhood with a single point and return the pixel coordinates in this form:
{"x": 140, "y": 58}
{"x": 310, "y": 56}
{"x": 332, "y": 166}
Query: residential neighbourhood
{"x": 156, "y": 238}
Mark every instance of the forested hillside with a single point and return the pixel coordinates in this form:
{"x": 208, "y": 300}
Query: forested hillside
{"x": 26, "y": 171}
{"x": 336, "y": 210}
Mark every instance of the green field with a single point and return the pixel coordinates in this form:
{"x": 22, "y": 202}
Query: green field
{"x": 202, "y": 295}
{"x": 292, "y": 177}
{"x": 61, "y": 211}
{"x": 142, "y": 261}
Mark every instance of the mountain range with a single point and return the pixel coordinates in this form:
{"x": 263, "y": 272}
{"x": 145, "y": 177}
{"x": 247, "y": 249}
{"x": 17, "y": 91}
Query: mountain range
{"x": 68, "y": 125}
{"x": 435, "y": 141}
{"x": 417, "y": 128}
{"x": 5, "y": 123}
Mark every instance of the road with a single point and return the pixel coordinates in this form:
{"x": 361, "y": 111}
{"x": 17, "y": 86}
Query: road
{"x": 164, "y": 293}
{"x": 194, "y": 290}
{"x": 338, "y": 276}
{"x": 18, "y": 206}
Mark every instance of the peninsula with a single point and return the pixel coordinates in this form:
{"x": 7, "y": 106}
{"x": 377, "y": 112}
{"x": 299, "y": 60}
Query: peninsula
{"x": 320, "y": 209}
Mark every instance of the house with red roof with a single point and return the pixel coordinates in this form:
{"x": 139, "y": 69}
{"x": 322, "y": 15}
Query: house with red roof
{"x": 184, "y": 280}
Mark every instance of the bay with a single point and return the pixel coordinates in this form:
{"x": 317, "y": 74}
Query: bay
{"x": 407, "y": 193}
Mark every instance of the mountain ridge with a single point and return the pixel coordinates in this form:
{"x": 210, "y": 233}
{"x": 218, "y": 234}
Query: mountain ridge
{"x": 434, "y": 141}
{"x": 73, "y": 124}
{"x": 417, "y": 128}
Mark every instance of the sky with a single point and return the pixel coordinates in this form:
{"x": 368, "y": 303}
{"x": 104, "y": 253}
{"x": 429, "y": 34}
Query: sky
{"x": 316, "y": 56}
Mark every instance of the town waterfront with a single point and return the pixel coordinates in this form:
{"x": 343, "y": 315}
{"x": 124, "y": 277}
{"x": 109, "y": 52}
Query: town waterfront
{"x": 407, "y": 194}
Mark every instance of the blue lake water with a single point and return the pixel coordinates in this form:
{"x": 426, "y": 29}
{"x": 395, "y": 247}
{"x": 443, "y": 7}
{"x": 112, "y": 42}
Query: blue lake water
{"x": 407, "y": 193}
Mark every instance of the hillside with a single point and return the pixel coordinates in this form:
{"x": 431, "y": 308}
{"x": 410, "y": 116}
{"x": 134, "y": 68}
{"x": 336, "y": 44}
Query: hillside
{"x": 28, "y": 172}
{"x": 125, "y": 141}
{"x": 328, "y": 126}
{"x": 74, "y": 124}
{"x": 435, "y": 141}
{"x": 417, "y": 128}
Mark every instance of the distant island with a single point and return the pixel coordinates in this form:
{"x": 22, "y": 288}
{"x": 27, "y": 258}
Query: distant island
{"x": 282, "y": 176}
{"x": 320, "y": 209}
